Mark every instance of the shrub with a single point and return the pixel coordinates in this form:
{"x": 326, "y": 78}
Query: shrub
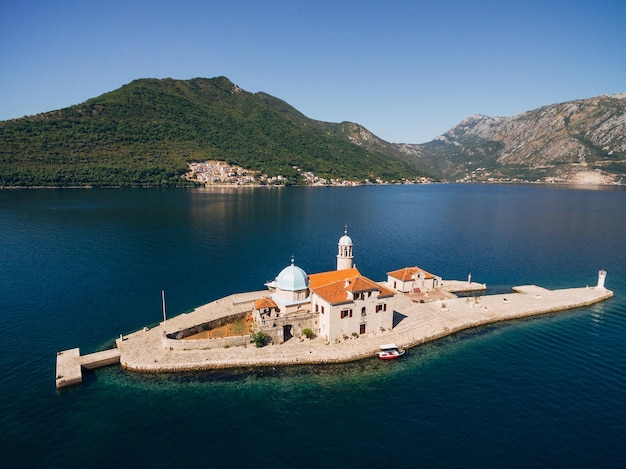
{"x": 308, "y": 333}
{"x": 258, "y": 338}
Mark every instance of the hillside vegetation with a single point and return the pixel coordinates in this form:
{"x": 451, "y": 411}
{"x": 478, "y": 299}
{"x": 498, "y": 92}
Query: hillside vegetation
{"x": 146, "y": 132}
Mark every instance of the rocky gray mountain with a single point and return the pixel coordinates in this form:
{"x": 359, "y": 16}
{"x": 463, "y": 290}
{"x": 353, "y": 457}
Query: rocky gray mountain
{"x": 581, "y": 141}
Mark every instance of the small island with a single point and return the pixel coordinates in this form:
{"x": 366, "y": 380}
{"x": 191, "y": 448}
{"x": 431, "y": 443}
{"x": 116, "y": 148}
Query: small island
{"x": 327, "y": 317}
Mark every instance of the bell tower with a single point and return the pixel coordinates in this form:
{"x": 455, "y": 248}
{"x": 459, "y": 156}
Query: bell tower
{"x": 344, "y": 256}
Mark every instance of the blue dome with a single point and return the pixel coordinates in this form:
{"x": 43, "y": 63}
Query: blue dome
{"x": 292, "y": 278}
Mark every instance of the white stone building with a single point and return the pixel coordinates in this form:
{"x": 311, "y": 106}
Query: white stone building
{"x": 335, "y": 305}
{"x": 412, "y": 280}
{"x": 349, "y": 304}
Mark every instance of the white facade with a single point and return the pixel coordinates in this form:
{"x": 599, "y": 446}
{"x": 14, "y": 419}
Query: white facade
{"x": 342, "y": 303}
{"x": 412, "y": 280}
{"x": 361, "y": 313}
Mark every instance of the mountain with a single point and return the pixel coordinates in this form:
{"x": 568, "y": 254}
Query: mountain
{"x": 577, "y": 141}
{"x": 148, "y": 131}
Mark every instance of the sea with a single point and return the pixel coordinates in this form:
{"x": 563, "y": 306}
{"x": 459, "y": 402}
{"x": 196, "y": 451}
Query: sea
{"x": 79, "y": 267}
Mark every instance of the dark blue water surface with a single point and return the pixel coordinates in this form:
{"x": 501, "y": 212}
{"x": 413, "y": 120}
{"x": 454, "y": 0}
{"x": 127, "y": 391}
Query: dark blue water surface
{"x": 79, "y": 267}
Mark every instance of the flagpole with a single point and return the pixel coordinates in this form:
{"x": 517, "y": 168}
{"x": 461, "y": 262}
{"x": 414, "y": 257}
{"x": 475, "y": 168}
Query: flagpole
{"x": 163, "y": 302}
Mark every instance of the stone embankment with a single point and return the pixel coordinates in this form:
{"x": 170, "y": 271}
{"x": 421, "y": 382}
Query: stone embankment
{"x": 414, "y": 323}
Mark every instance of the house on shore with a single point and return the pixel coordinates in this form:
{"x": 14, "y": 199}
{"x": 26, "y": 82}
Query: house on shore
{"x": 412, "y": 280}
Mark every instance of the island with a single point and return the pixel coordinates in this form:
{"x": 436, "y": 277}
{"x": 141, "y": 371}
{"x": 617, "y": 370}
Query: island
{"x": 327, "y": 317}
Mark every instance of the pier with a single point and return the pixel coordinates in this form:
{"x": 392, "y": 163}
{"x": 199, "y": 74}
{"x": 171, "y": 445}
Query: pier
{"x": 70, "y": 364}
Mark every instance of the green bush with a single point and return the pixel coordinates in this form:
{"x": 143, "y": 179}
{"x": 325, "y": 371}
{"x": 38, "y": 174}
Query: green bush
{"x": 258, "y": 338}
{"x": 308, "y": 333}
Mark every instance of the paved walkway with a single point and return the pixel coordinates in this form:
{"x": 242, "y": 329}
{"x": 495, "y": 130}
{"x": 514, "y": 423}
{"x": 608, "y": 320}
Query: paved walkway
{"x": 414, "y": 323}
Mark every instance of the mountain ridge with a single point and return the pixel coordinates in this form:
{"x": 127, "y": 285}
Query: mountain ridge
{"x": 149, "y": 131}
{"x": 574, "y": 141}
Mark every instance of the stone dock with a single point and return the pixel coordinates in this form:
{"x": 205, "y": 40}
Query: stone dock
{"x": 70, "y": 364}
{"x": 415, "y": 323}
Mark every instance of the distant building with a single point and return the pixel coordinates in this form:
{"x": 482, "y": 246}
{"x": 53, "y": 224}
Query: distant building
{"x": 335, "y": 305}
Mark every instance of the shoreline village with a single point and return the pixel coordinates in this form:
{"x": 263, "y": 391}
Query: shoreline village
{"x": 327, "y": 317}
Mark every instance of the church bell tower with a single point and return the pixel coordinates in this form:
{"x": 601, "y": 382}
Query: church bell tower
{"x": 344, "y": 256}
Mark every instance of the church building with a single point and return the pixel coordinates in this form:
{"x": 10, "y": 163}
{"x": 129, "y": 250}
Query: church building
{"x": 336, "y": 305}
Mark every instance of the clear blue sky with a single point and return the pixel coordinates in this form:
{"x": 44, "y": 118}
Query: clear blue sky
{"x": 406, "y": 70}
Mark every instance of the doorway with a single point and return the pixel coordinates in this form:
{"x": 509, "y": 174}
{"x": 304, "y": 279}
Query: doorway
{"x": 287, "y": 332}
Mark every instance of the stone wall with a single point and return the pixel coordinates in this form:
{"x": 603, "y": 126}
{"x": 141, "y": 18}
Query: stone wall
{"x": 204, "y": 344}
{"x": 174, "y": 340}
{"x": 274, "y": 327}
{"x": 207, "y": 326}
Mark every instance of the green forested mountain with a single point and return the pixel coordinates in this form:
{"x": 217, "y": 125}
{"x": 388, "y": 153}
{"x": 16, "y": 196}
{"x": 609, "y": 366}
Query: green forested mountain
{"x": 147, "y": 131}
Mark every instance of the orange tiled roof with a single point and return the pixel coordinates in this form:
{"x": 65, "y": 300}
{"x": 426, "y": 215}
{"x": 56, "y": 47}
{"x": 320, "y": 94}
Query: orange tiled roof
{"x": 337, "y": 292}
{"x": 334, "y": 293}
{"x": 407, "y": 273}
{"x": 263, "y": 303}
{"x": 361, "y": 284}
{"x": 324, "y": 278}
{"x": 384, "y": 291}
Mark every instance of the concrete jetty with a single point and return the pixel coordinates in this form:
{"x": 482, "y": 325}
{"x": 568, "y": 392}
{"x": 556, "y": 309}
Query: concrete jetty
{"x": 459, "y": 286}
{"x": 70, "y": 364}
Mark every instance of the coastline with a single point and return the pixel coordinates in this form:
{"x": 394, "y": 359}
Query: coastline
{"x": 414, "y": 324}
{"x": 278, "y": 186}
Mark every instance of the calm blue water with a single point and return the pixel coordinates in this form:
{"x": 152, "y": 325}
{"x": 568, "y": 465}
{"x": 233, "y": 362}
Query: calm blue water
{"x": 79, "y": 267}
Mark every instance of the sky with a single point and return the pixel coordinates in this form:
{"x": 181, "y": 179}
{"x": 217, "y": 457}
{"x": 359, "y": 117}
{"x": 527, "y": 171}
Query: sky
{"x": 406, "y": 70}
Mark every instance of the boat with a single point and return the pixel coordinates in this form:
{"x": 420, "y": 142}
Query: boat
{"x": 390, "y": 352}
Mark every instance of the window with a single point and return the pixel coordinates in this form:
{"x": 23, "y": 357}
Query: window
{"x": 381, "y": 307}
{"x": 361, "y": 328}
{"x": 346, "y": 313}
{"x": 322, "y": 309}
{"x": 363, "y": 311}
